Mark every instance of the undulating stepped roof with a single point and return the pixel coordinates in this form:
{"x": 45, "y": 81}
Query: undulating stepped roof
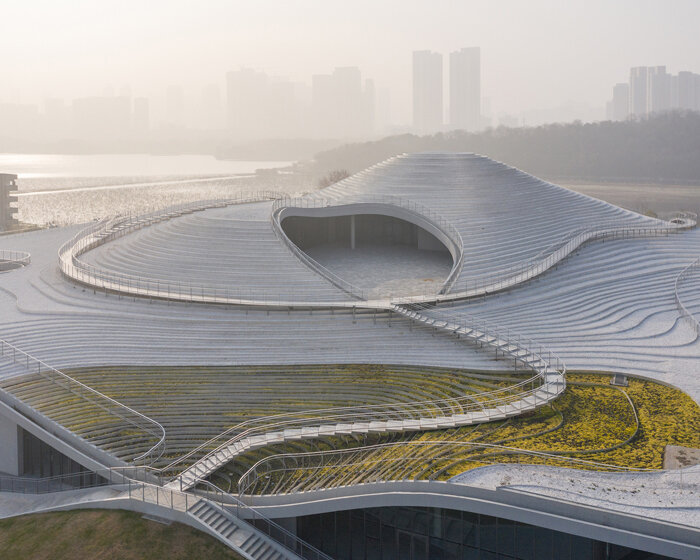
{"x": 607, "y": 306}
{"x": 504, "y": 215}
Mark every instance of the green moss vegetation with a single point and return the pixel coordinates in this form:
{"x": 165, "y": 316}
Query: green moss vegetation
{"x": 592, "y": 421}
{"x": 195, "y": 404}
{"x": 626, "y": 427}
{"x": 114, "y": 535}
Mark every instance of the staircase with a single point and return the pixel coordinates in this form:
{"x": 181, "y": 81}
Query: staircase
{"x": 344, "y": 421}
{"x": 237, "y": 534}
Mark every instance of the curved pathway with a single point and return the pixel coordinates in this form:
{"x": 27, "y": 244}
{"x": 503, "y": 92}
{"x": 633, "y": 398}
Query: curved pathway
{"x": 549, "y": 370}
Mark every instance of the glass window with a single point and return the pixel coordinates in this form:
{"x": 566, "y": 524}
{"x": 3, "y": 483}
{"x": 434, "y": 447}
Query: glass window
{"x": 420, "y": 548}
{"x": 470, "y": 529}
{"x": 372, "y": 526}
{"x": 525, "y": 541}
{"x": 357, "y": 538}
{"x": 488, "y": 533}
{"x": 388, "y": 543}
{"x": 435, "y": 520}
{"x": 343, "y": 532}
{"x": 373, "y": 550}
{"x": 506, "y": 537}
{"x": 328, "y": 532}
{"x": 420, "y": 523}
{"x": 452, "y": 526}
{"x": 581, "y": 548}
{"x": 543, "y": 542}
{"x": 561, "y": 545}
{"x": 404, "y": 545}
{"x": 437, "y": 549}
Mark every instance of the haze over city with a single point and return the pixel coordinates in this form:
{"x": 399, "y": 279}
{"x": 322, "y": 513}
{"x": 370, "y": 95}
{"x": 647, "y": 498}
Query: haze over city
{"x": 324, "y": 280}
{"x": 540, "y": 61}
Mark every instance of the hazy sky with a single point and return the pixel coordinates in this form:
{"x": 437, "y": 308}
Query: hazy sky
{"x": 535, "y": 54}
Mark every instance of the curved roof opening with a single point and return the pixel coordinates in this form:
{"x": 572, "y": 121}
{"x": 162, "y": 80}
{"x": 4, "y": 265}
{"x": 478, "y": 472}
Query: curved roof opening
{"x": 379, "y": 253}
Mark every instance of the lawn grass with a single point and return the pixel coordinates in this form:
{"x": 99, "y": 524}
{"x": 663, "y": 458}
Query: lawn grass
{"x": 103, "y": 535}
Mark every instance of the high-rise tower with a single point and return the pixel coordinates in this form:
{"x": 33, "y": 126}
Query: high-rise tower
{"x": 465, "y": 89}
{"x": 427, "y": 92}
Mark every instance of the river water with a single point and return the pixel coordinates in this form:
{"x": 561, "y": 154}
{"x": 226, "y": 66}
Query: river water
{"x": 47, "y": 166}
{"x": 68, "y": 189}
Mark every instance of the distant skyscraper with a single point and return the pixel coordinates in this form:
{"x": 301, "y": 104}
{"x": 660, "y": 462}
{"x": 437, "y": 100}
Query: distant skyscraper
{"x": 324, "y": 116}
{"x": 340, "y": 107}
{"x": 620, "y": 102}
{"x": 652, "y": 90}
{"x": 688, "y": 91}
{"x": 638, "y": 91}
{"x": 141, "y": 115}
{"x": 56, "y": 118}
{"x": 369, "y": 103}
{"x": 348, "y": 91}
{"x": 210, "y": 113}
{"x": 658, "y": 90}
{"x": 427, "y": 92}
{"x": 465, "y": 89}
{"x": 175, "y": 106}
{"x": 247, "y": 94}
{"x": 102, "y": 118}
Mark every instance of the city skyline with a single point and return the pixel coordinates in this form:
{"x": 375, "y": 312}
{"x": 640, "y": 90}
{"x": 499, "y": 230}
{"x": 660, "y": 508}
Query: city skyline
{"x": 342, "y": 104}
{"x": 651, "y": 90}
{"x": 535, "y": 58}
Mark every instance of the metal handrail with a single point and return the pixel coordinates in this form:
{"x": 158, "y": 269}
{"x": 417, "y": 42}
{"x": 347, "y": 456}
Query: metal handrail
{"x": 527, "y": 352}
{"x": 284, "y": 537}
{"x": 103, "y": 476}
{"x": 309, "y": 463}
{"x": 13, "y": 259}
{"x": 420, "y": 210}
{"x": 101, "y": 232}
{"x": 684, "y": 311}
{"x": 555, "y": 252}
{"x": 549, "y": 371}
{"x": 106, "y": 403}
{"x": 482, "y": 284}
{"x": 127, "y": 479}
{"x": 106, "y": 230}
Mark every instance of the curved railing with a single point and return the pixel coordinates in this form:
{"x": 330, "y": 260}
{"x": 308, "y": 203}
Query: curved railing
{"x": 289, "y": 473}
{"x": 287, "y": 539}
{"x": 134, "y": 486}
{"x": 560, "y": 249}
{"x": 482, "y": 284}
{"x": 106, "y": 230}
{"x": 113, "y": 407}
{"x": 418, "y": 210}
{"x": 10, "y": 260}
{"x": 547, "y": 383}
{"x": 689, "y": 270}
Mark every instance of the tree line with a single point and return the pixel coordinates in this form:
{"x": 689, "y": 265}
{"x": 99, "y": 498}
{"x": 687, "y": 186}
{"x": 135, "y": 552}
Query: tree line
{"x": 661, "y": 149}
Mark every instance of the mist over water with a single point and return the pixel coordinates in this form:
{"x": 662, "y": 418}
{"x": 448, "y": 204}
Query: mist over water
{"x": 51, "y": 166}
{"x": 74, "y": 189}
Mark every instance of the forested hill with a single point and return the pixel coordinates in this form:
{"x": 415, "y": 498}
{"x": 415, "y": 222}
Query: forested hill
{"x": 664, "y": 148}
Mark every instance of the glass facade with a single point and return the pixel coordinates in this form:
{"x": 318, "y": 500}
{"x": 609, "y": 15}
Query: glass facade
{"x": 40, "y": 460}
{"x": 414, "y": 533}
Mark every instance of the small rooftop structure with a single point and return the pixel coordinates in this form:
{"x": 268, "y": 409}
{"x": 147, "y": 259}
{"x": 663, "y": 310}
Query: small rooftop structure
{"x": 8, "y": 201}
